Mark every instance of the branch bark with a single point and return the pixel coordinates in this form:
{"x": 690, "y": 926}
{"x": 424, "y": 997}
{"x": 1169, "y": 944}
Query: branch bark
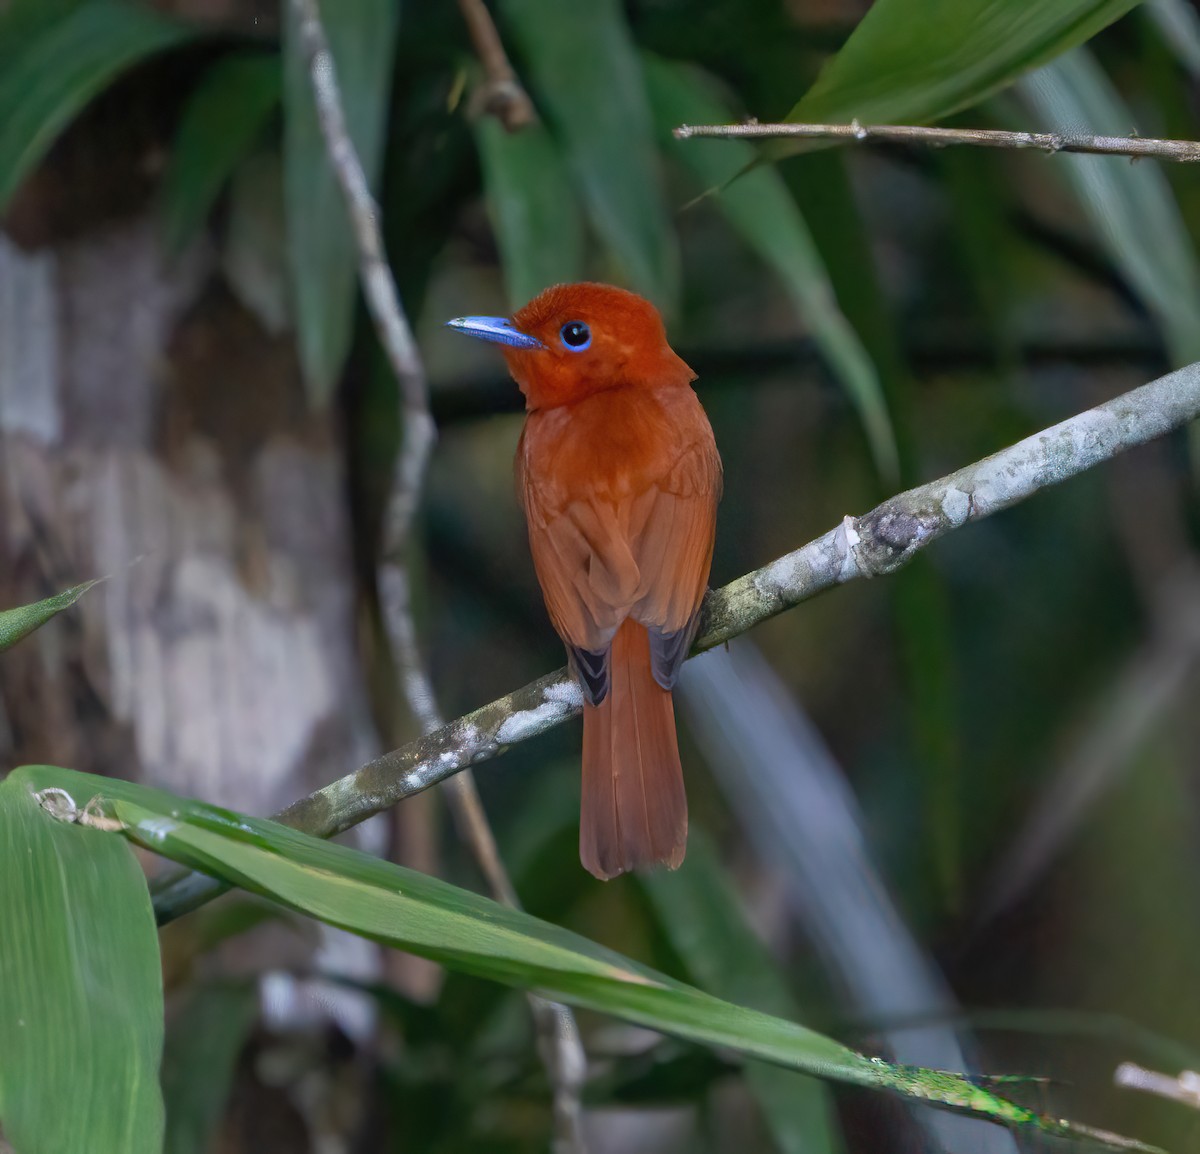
{"x": 501, "y": 94}
{"x": 882, "y": 541}
{"x": 1184, "y": 151}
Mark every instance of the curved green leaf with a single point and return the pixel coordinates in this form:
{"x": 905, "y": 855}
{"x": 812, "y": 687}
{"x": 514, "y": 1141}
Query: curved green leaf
{"x": 81, "y": 1012}
{"x": 912, "y": 61}
{"x": 223, "y": 118}
{"x": 761, "y": 210}
{"x": 1130, "y": 207}
{"x": 321, "y": 246}
{"x": 428, "y": 917}
{"x": 22, "y": 621}
{"x": 59, "y": 70}
{"x": 532, "y": 206}
{"x": 199, "y": 1061}
{"x": 701, "y": 913}
{"x": 587, "y": 75}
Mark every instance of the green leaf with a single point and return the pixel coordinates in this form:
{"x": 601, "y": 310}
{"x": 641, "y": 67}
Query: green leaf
{"x": 81, "y": 1010}
{"x": 223, "y": 119}
{"x": 321, "y": 246}
{"x": 18, "y": 623}
{"x": 703, "y": 918}
{"x": 913, "y": 61}
{"x": 532, "y": 206}
{"x": 1130, "y": 207}
{"x": 203, "y": 1044}
{"x": 1179, "y": 25}
{"x": 428, "y": 917}
{"x": 760, "y": 209}
{"x": 59, "y": 69}
{"x": 587, "y": 76}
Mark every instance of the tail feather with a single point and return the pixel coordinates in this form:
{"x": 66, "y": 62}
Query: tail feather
{"x": 634, "y": 811}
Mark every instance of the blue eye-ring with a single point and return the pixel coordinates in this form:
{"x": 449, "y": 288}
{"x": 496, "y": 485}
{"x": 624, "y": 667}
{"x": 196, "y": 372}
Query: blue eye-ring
{"x": 576, "y": 336}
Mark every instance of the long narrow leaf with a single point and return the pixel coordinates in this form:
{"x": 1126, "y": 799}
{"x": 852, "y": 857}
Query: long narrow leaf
{"x": 57, "y": 72}
{"x": 533, "y": 208}
{"x": 705, "y": 922}
{"x": 81, "y": 1013}
{"x": 22, "y": 621}
{"x": 224, "y": 116}
{"x": 588, "y": 79}
{"x": 1130, "y": 207}
{"x": 199, "y": 1062}
{"x": 362, "y": 36}
{"x": 918, "y": 60}
{"x": 760, "y": 209}
{"x": 463, "y": 931}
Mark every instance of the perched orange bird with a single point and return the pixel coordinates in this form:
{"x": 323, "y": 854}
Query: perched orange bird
{"x": 619, "y": 475}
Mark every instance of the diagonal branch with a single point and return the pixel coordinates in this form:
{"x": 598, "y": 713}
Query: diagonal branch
{"x": 880, "y": 542}
{"x": 1184, "y": 151}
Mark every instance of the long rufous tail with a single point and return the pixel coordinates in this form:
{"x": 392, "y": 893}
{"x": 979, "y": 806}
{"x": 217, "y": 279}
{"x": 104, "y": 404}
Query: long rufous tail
{"x": 634, "y": 810}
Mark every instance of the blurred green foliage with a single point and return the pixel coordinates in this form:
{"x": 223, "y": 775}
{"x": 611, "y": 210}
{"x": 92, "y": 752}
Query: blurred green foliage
{"x": 859, "y": 319}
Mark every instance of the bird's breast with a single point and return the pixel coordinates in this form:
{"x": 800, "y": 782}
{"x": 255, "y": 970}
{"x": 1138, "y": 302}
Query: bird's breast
{"x": 611, "y": 446}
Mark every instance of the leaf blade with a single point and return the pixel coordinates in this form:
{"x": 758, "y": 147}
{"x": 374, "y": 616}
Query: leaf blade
{"x": 534, "y": 213}
{"x": 699, "y": 910}
{"x": 586, "y": 73}
{"x": 321, "y": 247}
{"x": 58, "y": 70}
{"x": 80, "y": 988}
{"x": 759, "y": 208}
{"x": 16, "y": 624}
{"x": 1130, "y": 207}
{"x": 919, "y": 60}
{"x": 464, "y": 931}
{"x": 223, "y": 117}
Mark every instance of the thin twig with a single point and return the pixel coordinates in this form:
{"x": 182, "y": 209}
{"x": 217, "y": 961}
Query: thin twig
{"x": 1184, "y": 1087}
{"x": 1185, "y": 151}
{"x": 880, "y": 542}
{"x": 558, "y": 1038}
{"x": 501, "y": 94}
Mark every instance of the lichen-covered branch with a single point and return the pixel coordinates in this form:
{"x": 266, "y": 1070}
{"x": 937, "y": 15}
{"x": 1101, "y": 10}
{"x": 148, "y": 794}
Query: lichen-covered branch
{"x": 1185, "y": 151}
{"x": 880, "y": 542}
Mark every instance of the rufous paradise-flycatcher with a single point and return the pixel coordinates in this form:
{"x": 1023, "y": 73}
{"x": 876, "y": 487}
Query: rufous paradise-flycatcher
{"x": 619, "y": 475}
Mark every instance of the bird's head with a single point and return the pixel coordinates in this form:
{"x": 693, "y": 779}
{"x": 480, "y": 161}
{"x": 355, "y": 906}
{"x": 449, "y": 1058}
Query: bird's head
{"x": 577, "y": 339}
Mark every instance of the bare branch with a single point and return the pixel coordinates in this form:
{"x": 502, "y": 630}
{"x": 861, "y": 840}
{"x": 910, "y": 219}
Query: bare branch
{"x": 1184, "y": 1088}
{"x": 880, "y": 542}
{"x": 1185, "y": 151}
{"x": 501, "y": 95}
{"x": 558, "y": 1037}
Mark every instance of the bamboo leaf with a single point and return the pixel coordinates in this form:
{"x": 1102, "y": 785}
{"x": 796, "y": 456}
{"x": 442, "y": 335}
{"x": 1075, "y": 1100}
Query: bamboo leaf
{"x": 22, "y": 621}
{"x": 57, "y": 70}
{"x": 587, "y": 76}
{"x": 81, "y": 1011}
{"x": 1179, "y": 25}
{"x": 703, "y": 918}
{"x": 220, "y": 124}
{"x": 761, "y": 211}
{"x": 533, "y": 208}
{"x": 201, "y": 1053}
{"x": 1130, "y": 207}
{"x": 428, "y": 917}
{"x": 321, "y": 248}
{"x": 913, "y": 61}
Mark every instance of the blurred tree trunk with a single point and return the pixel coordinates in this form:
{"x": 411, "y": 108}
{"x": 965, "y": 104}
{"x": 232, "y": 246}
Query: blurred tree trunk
{"x": 151, "y": 431}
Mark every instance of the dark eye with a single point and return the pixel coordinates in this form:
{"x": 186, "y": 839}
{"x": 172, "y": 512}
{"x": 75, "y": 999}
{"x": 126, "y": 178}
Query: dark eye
{"x": 576, "y": 336}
